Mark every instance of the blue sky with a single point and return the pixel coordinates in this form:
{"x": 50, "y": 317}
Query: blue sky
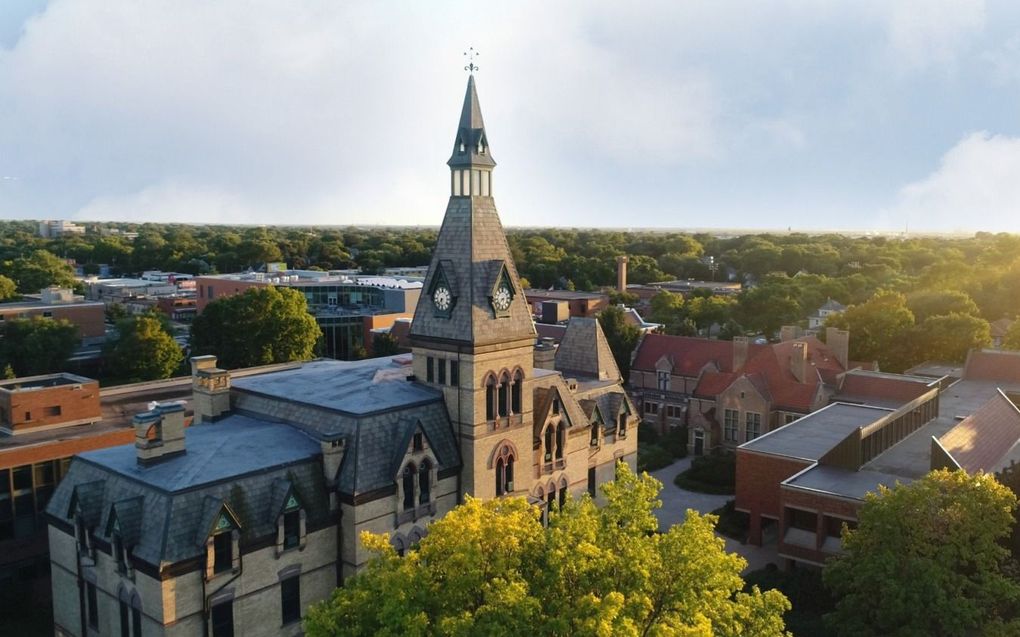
{"x": 809, "y": 115}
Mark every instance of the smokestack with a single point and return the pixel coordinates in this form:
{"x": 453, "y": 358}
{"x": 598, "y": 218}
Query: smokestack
{"x": 740, "y": 346}
{"x": 799, "y": 361}
{"x": 621, "y": 273}
{"x": 839, "y": 343}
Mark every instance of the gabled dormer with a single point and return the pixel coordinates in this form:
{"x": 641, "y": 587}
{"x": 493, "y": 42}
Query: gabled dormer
{"x": 502, "y": 292}
{"x": 220, "y": 531}
{"x": 443, "y": 290}
{"x": 288, "y": 514}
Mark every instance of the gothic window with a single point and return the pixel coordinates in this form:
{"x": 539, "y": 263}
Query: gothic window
{"x": 424, "y": 482}
{"x": 117, "y": 548}
{"x": 623, "y": 422}
{"x": 561, "y": 440}
{"x": 504, "y": 387}
{"x": 125, "y": 626}
{"x": 563, "y": 496}
{"x": 490, "y": 397}
{"x": 136, "y": 615}
{"x": 594, "y": 434}
{"x": 549, "y": 443}
{"x": 504, "y": 467}
{"x": 408, "y": 482}
{"x": 92, "y": 599}
{"x": 515, "y": 394}
{"x": 500, "y": 476}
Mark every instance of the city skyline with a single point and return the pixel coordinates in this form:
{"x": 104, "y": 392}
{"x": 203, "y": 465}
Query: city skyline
{"x": 841, "y": 116}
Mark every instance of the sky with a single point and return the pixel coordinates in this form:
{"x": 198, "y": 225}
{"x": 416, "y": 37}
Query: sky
{"x": 810, "y": 115}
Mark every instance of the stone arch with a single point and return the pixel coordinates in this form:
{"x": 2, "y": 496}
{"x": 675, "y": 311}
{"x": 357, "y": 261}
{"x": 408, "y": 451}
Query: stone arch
{"x": 496, "y": 452}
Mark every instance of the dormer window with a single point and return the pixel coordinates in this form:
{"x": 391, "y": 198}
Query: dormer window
{"x": 117, "y": 548}
{"x": 222, "y": 550}
{"x": 418, "y": 442}
{"x": 461, "y": 148}
{"x": 291, "y": 529}
{"x": 223, "y": 553}
{"x": 594, "y": 434}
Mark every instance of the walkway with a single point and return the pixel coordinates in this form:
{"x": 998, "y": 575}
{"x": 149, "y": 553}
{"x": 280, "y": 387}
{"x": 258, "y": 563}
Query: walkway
{"x": 676, "y": 501}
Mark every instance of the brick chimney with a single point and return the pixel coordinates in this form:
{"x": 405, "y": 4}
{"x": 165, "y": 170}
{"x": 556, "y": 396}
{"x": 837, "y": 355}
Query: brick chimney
{"x": 839, "y": 343}
{"x": 789, "y": 333}
{"x": 621, "y": 273}
{"x": 210, "y": 388}
{"x": 159, "y": 433}
{"x": 740, "y": 346}
{"x": 799, "y": 365}
{"x": 545, "y": 354}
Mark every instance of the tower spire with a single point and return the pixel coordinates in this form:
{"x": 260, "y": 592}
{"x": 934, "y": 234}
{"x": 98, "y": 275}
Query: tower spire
{"x": 471, "y": 144}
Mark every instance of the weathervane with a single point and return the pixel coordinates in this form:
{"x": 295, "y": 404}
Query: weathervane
{"x": 471, "y": 66}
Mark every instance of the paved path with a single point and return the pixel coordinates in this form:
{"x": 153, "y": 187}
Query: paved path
{"x": 676, "y": 501}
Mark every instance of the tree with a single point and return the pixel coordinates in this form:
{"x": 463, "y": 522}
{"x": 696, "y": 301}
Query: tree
{"x": 40, "y": 270}
{"x": 667, "y": 308}
{"x": 766, "y": 309}
{"x": 927, "y": 303}
{"x": 1012, "y": 338}
{"x": 258, "y": 327}
{"x": 38, "y": 345}
{"x": 8, "y": 288}
{"x": 926, "y": 559}
{"x": 491, "y": 568}
{"x": 385, "y": 345}
{"x": 949, "y": 338}
{"x": 878, "y": 329}
{"x": 621, "y": 336}
{"x": 143, "y": 350}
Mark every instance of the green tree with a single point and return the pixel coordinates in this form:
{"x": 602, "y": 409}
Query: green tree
{"x": 879, "y": 329}
{"x": 667, "y": 308}
{"x": 766, "y": 309}
{"x": 259, "y": 327}
{"x": 8, "y": 288}
{"x": 1012, "y": 338}
{"x": 491, "y": 568}
{"x": 40, "y": 270}
{"x": 621, "y": 336}
{"x": 385, "y": 345}
{"x": 143, "y": 350}
{"x": 927, "y": 559}
{"x": 38, "y": 345}
{"x": 927, "y": 303}
{"x": 949, "y": 338}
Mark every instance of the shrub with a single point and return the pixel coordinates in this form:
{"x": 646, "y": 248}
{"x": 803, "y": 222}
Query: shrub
{"x": 732, "y": 523}
{"x": 652, "y": 457}
{"x": 710, "y": 474}
{"x": 676, "y": 441}
{"x": 647, "y": 433}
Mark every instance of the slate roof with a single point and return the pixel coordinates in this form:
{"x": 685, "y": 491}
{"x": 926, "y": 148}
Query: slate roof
{"x": 584, "y": 351}
{"x": 234, "y": 463}
{"x": 470, "y": 129}
{"x": 471, "y": 244}
{"x": 988, "y": 439}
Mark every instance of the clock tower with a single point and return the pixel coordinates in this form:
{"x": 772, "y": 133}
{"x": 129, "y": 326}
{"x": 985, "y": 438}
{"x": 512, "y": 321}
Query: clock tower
{"x": 473, "y": 336}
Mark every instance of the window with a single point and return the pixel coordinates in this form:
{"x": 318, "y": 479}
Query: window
{"x": 424, "y": 484}
{"x": 117, "y": 548}
{"x": 594, "y": 434}
{"x": 455, "y": 373}
{"x": 730, "y": 425}
{"x": 291, "y": 529}
{"x": 788, "y": 418}
{"x": 92, "y": 609}
{"x": 556, "y": 405}
{"x": 223, "y": 619}
{"x": 591, "y": 482}
{"x": 563, "y": 496}
{"x": 290, "y": 599}
{"x": 500, "y": 476}
{"x": 504, "y": 471}
{"x": 212, "y": 295}
{"x": 408, "y": 482}
{"x": 124, "y": 626}
{"x": 47, "y": 314}
{"x": 504, "y": 388}
{"x": 663, "y": 380}
{"x": 561, "y": 435}
{"x": 430, "y": 371}
{"x": 623, "y": 424}
{"x": 651, "y": 409}
{"x": 136, "y": 621}
{"x": 490, "y": 398}
{"x": 442, "y": 370}
{"x": 515, "y": 393}
{"x": 223, "y": 552}
{"x": 753, "y": 425}
{"x": 28, "y": 415}
{"x": 674, "y": 411}
{"x": 418, "y": 442}
{"x": 549, "y": 443}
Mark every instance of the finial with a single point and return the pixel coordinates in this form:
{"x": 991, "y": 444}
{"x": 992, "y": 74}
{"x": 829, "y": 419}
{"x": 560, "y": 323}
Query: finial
{"x": 471, "y": 53}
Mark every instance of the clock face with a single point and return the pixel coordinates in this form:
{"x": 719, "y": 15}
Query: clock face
{"x": 501, "y": 299}
{"x": 442, "y": 298}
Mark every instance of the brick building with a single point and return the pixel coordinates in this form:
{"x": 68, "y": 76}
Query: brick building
{"x": 802, "y": 482}
{"x": 238, "y": 523}
{"x": 579, "y": 304}
{"x": 728, "y": 392}
{"x": 60, "y": 304}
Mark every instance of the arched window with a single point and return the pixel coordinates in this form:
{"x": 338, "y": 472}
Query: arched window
{"x": 500, "y": 476}
{"x": 504, "y": 388}
{"x": 490, "y": 397}
{"x": 424, "y": 485}
{"x": 515, "y": 392}
{"x": 563, "y": 493}
{"x": 136, "y": 614}
{"x": 504, "y": 465}
{"x": 409, "y": 472}
{"x": 549, "y": 443}
{"x": 561, "y": 440}
{"x": 595, "y": 434}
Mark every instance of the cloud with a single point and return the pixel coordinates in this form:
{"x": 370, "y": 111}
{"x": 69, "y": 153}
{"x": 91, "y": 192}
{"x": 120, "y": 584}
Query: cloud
{"x": 931, "y": 33}
{"x": 976, "y": 187}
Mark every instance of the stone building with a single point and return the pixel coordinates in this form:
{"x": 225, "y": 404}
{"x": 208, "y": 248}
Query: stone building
{"x": 236, "y": 524}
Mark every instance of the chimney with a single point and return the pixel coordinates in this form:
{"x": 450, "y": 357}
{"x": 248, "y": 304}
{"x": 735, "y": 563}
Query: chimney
{"x": 839, "y": 343}
{"x": 159, "y": 433}
{"x": 799, "y": 361}
{"x": 210, "y": 388}
{"x": 740, "y": 346}
{"x": 789, "y": 333}
{"x": 621, "y": 273}
{"x": 545, "y": 354}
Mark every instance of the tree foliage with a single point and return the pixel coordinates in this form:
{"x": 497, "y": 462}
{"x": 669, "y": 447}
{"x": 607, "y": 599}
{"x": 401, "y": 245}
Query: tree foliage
{"x": 38, "y": 345}
{"x": 143, "y": 350}
{"x": 39, "y": 270}
{"x": 258, "y": 327}
{"x": 491, "y": 568}
{"x": 1012, "y": 338}
{"x": 8, "y": 288}
{"x": 927, "y": 559}
{"x": 876, "y": 329}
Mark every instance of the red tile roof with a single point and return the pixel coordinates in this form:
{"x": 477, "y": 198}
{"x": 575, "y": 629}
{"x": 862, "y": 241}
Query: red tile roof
{"x": 995, "y": 365}
{"x": 982, "y": 440}
{"x": 690, "y": 355}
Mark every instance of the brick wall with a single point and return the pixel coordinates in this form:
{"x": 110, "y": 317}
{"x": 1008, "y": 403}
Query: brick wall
{"x": 30, "y": 409}
{"x": 757, "y": 489}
